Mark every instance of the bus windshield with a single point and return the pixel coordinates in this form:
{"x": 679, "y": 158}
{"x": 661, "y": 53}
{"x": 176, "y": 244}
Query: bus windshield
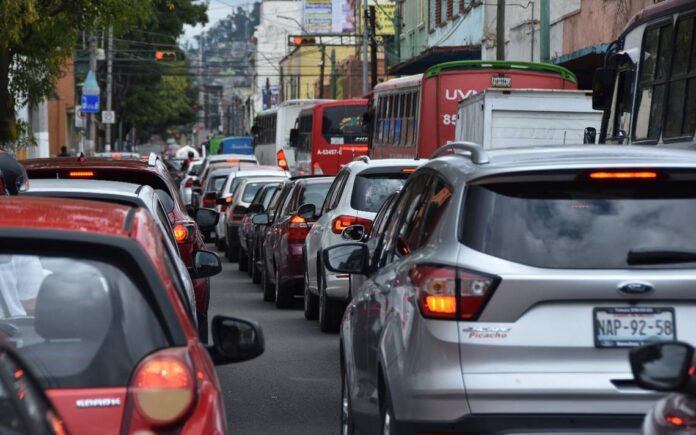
{"x": 344, "y": 125}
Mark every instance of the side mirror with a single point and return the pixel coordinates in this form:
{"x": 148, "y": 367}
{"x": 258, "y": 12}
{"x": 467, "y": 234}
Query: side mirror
{"x": 255, "y": 130}
{"x": 590, "y": 135}
{"x": 603, "y": 88}
{"x": 197, "y": 183}
{"x": 205, "y": 264}
{"x": 347, "y": 258}
{"x": 207, "y": 218}
{"x": 255, "y": 208}
{"x": 260, "y": 219}
{"x": 165, "y": 199}
{"x": 235, "y": 340}
{"x": 354, "y": 232}
{"x": 191, "y": 210}
{"x": 307, "y": 211}
{"x": 294, "y": 135}
{"x": 662, "y": 366}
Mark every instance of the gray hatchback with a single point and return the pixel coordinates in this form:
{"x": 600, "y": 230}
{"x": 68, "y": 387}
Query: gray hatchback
{"x": 509, "y": 286}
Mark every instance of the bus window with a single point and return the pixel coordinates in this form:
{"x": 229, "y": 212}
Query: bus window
{"x": 399, "y": 109}
{"x": 653, "y": 77}
{"x": 681, "y": 102}
{"x": 407, "y": 113}
{"x": 388, "y": 119}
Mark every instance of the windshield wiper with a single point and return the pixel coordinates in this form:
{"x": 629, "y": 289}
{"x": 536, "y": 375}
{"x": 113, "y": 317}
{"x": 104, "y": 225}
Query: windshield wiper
{"x": 647, "y": 256}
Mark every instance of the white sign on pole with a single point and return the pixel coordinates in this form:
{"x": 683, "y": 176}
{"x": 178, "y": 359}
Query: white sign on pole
{"x": 108, "y": 117}
{"x": 79, "y": 117}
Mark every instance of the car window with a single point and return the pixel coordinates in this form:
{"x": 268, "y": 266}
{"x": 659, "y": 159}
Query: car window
{"x": 314, "y": 193}
{"x": 436, "y": 205}
{"x": 174, "y": 274}
{"x": 282, "y": 196}
{"x": 555, "y": 224}
{"x": 334, "y": 194}
{"x": 163, "y": 217}
{"x": 284, "y": 209}
{"x": 43, "y": 295}
{"x": 408, "y": 234}
{"x": 381, "y": 220}
{"x": 268, "y": 196}
{"x": 370, "y": 191}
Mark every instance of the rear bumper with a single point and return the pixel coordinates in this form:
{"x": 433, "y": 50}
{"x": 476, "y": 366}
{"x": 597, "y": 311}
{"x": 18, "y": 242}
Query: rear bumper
{"x": 528, "y": 424}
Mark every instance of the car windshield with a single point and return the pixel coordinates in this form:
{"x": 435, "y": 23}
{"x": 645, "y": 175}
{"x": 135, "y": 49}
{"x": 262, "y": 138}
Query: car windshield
{"x": 556, "y": 225}
{"x": 370, "y": 191}
{"x": 314, "y": 193}
{"x": 78, "y": 323}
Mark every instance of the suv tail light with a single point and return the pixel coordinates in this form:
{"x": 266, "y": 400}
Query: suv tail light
{"x": 183, "y": 233}
{"x": 238, "y": 213}
{"x": 282, "y": 161}
{"x": 340, "y": 223}
{"x": 209, "y": 199}
{"x": 163, "y": 387}
{"x": 297, "y": 229}
{"x": 228, "y": 201}
{"x": 189, "y": 182}
{"x": 446, "y": 293}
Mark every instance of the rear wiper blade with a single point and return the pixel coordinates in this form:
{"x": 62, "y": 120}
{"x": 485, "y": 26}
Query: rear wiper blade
{"x": 644, "y": 256}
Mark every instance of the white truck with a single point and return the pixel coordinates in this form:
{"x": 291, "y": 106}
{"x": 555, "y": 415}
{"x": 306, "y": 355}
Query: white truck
{"x": 504, "y": 118}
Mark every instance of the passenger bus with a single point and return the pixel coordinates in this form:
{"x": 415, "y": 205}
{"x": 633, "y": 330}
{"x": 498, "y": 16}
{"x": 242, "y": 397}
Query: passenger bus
{"x": 328, "y": 135}
{"x": 647, "y": 88}
{"x": 413, "y": 116}
{"x": 271, "y": 132}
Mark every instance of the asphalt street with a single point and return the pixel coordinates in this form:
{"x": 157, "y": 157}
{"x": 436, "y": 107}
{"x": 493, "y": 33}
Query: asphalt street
{"x": 294, "y": 387}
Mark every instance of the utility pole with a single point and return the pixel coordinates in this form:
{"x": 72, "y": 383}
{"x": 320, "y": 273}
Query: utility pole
{"x": 545, "y": 13}
{"x": 322, "y": 48}
{"x": 109, "y": 82}
{"x": 373, "y": 47}
{"x": 333, "y": 74}
{"x": 201, "y": 91}
{"x": 365, "y": 87}
{"x": 500, "y": 32}
{"x": 91, "y": 124}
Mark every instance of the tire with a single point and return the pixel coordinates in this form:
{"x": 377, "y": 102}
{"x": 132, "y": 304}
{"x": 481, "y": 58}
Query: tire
{"x": 243, "y": 260}
{"x": 202, "y": 328}
{"x": 250, "y": 262}
{"x": 255, "y": 273}
{"x": 284, "y": 295}
{"x": 347, "y": 425}
{"x": 311, "y": 301}
{"x": 330, "y": 311}
{"x": 386, "y": 412}
{"x": 268, "y": 289}
{"x": 220, "y": 244}
{"x": 228, "y": 253}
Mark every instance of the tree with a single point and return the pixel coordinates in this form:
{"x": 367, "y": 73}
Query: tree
{"x": 36, "y": 40}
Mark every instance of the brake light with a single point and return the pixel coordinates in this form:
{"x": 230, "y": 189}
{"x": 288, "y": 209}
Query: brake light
{"x": 444, "y": 293}
{"x": 238, "y": 213}
{"x": 232, "y": 160}
{"x": 674, "y": 420}
{"x": 116, "y": 155}
{"x": 282, "y": 161}
{"x": 81, "y": 174}
{"x": 189, "y": 182}
{"x": 340, "y": 223}
{"x": 408, "y": 170}
{"x": 316, "y": 169}
{"x": 163, "y": 387}
{"x": 180, "y": 233}
{"x": 209, "y": 201}
{"x": 2, "y": 185}
{"x": 297, "y": 229}
{"x": 623, "y": 175}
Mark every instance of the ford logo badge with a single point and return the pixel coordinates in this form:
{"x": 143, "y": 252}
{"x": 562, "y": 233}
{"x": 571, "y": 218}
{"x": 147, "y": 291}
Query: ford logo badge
{"x": 635, "y": 288}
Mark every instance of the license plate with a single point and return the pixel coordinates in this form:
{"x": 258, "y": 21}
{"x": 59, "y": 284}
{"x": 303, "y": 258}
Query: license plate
{"x": 501, "y": 82}
{"x": 632, "y": 326}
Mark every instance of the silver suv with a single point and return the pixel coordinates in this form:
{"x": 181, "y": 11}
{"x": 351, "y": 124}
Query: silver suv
{"x": 510, "y": 286}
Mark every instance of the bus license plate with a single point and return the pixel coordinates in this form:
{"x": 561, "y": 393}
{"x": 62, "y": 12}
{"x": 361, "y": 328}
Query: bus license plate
{"x": 632, "y": 326}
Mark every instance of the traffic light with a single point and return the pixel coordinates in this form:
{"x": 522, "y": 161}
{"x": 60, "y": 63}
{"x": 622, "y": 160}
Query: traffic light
{"x": 299, "y": 40}
{"x": 165, "y": 55}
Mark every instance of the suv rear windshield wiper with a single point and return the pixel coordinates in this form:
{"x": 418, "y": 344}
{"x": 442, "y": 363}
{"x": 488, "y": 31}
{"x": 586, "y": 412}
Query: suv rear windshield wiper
{"x": 646, "y": 256}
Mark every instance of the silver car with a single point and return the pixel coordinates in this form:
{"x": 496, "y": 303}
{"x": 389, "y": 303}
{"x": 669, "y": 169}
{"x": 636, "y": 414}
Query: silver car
{"x": 509, "y": 287}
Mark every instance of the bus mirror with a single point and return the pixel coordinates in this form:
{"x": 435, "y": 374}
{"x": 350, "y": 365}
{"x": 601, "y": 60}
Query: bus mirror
{"x": 603, "y": 88}
{"x": 590, "y": 135}
{"x": 294, "y": 134}
{"x": 255, "y": 130}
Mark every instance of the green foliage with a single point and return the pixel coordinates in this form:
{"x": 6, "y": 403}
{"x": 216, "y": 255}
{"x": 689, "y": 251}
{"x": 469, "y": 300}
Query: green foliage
{"x": 36, "y": 40}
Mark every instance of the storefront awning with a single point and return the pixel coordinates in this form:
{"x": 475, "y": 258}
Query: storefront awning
{"x": 583, "y": 62}
{"x": 434, "y": 56}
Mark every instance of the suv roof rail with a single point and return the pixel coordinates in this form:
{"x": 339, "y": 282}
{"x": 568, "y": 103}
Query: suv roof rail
{"x": 364, "y": 159}
{"x": 152, "y": 160}
{"x": 478, "y": 154}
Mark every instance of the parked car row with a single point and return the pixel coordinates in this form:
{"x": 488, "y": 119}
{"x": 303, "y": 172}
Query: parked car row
{"x": 103, "y": 302}
{"x": 480, "y": 291}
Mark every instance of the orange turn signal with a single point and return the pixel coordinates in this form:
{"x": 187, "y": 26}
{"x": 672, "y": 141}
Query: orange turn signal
{"x": 441, "y": 304}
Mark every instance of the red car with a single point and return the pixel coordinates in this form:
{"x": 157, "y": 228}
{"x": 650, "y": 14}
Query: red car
{"x": 282, "y": 275}
{"x": 153, "y": 173}
{"x": 103, "y": 323}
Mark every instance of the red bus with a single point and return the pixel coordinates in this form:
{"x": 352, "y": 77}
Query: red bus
{"x": 328, "y": 135}
{"x": 413, "y": 116}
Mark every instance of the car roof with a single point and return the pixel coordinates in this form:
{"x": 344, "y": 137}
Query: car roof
{"x": 241, "y": 157}
{"x": 260, "y": 172}
{"x": 315, "y": 180}
{"x": 92, "y": 162}
{"x": 257, "y": 178}
{"x": 527, "y": 159}
{"x": 78, "y": 186}
{"x": 363, "y": 162}
{"x": 73, "y": 215}
{"x": 221, "y": 171}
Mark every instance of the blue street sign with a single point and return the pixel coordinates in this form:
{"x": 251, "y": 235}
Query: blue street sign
{"x": 90, "y": 103}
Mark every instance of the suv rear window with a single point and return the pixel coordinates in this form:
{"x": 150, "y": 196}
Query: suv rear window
{"x": 580, "y": 224}
{"x": 78, "y": 323}
{"x": 370, "y": 191}
{"x": 216, "y": 183}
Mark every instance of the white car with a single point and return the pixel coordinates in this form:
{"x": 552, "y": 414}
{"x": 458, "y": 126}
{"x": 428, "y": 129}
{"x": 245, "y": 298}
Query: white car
{"x": 186, "y": 185}
{"x": 355, "y": 196}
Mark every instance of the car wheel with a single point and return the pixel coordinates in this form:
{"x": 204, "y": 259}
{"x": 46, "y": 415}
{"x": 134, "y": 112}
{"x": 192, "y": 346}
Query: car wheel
{"x": 228, "y": 252}
{"x": 311, "y": 301}
{"x": 243, "y": 260}
{"x": 347, "y": 427}
{"x": 387, "y": 414}
{"x": 283, "y": 293}
{"x": 250, "y": 262}
{"x": 268, "y": 289}
{"x": 255, "y": 273}
{"x": 330, "y": 311}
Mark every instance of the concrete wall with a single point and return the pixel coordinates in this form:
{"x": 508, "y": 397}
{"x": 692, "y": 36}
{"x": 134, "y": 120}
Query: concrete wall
{"x": 414, "y": 32}
{"x": 464, "y": 29}
{"x": 271, "y": 38}
{"x": 301, "y": 70}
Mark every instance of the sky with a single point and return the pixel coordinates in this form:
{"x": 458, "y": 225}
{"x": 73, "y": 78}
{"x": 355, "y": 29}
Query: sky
{"x": 217, "y": 10}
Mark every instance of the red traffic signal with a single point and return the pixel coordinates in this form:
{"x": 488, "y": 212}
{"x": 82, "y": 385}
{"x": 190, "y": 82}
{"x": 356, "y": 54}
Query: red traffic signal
{"x": 298, "y": 40}
{"x": 165, "y": 55}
